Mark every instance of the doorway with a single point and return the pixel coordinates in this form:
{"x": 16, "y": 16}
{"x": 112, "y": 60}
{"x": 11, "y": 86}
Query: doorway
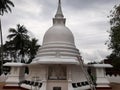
{"x": 56, "y": 88}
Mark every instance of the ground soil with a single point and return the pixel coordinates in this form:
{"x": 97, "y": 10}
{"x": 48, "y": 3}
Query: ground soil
{"x": 115, "y": 86}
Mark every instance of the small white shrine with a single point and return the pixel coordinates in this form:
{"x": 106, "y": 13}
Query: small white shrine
{"x": 57, "y": 65}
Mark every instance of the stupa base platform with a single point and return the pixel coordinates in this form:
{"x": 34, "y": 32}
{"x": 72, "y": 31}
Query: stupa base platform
{"x": 22, "y": 88}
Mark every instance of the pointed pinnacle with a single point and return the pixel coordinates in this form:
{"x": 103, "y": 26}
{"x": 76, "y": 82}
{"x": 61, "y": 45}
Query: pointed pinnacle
{"x": 59, "y": 13}
{"x": 59, "y": 2}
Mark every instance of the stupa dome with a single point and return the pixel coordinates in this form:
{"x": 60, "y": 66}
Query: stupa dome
{"x": 58, "y": 34}
{"x": 58, "y": 43}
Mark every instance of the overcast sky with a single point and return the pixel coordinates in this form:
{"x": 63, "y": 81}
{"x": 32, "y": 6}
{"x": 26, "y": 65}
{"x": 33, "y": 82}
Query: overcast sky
{"x": 87, "y": 19}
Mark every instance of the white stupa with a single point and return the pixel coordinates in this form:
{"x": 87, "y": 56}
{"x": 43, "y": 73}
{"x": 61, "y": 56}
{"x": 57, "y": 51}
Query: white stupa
{"x": 58, "y": 43}
{"x": 58, "y": 64}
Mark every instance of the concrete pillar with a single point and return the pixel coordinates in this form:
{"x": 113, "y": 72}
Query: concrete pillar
{"x": 16, "y": 74}
{"x": 101, "y": 81}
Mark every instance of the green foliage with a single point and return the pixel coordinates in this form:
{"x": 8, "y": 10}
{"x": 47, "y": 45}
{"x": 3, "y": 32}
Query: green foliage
{"x": 20, "y": 38}
{"x": 115, "y": 61}
{"x": 5, "y": 6}
{"x": 9, "y": 50}
{"x": 26, "y": 70}
{"x": 114, "y": 40}
{"x": 33, "y": 48}
{"x": 20, "y": 47}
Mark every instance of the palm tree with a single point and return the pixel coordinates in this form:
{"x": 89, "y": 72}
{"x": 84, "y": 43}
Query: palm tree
{"x": 4, "y": 7}
{"x": 20, "y": 39}
{"x": 33, "y": 48}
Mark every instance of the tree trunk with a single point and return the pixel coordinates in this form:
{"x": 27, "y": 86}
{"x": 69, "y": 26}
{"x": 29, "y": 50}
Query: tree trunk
{"x": 1, "y": 50}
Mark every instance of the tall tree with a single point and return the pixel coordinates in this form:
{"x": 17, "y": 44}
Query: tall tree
{"x": 114, "y": 37}
{"x": 20, "y": 39}
{"x": 20, "y": 43}
{"x": 33, "y": 48}
{"x": 4, "y": 7}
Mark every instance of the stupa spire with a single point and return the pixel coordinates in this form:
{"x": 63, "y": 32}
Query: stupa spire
{"x": 59, "y": 17}
{"x": 59, "y": 13}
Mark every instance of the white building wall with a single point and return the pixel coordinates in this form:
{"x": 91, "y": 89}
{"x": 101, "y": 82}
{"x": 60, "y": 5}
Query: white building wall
{"x": 37, "y": 72}
{"x": 113, "y": 78}
{"x": 77, "y": 74}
